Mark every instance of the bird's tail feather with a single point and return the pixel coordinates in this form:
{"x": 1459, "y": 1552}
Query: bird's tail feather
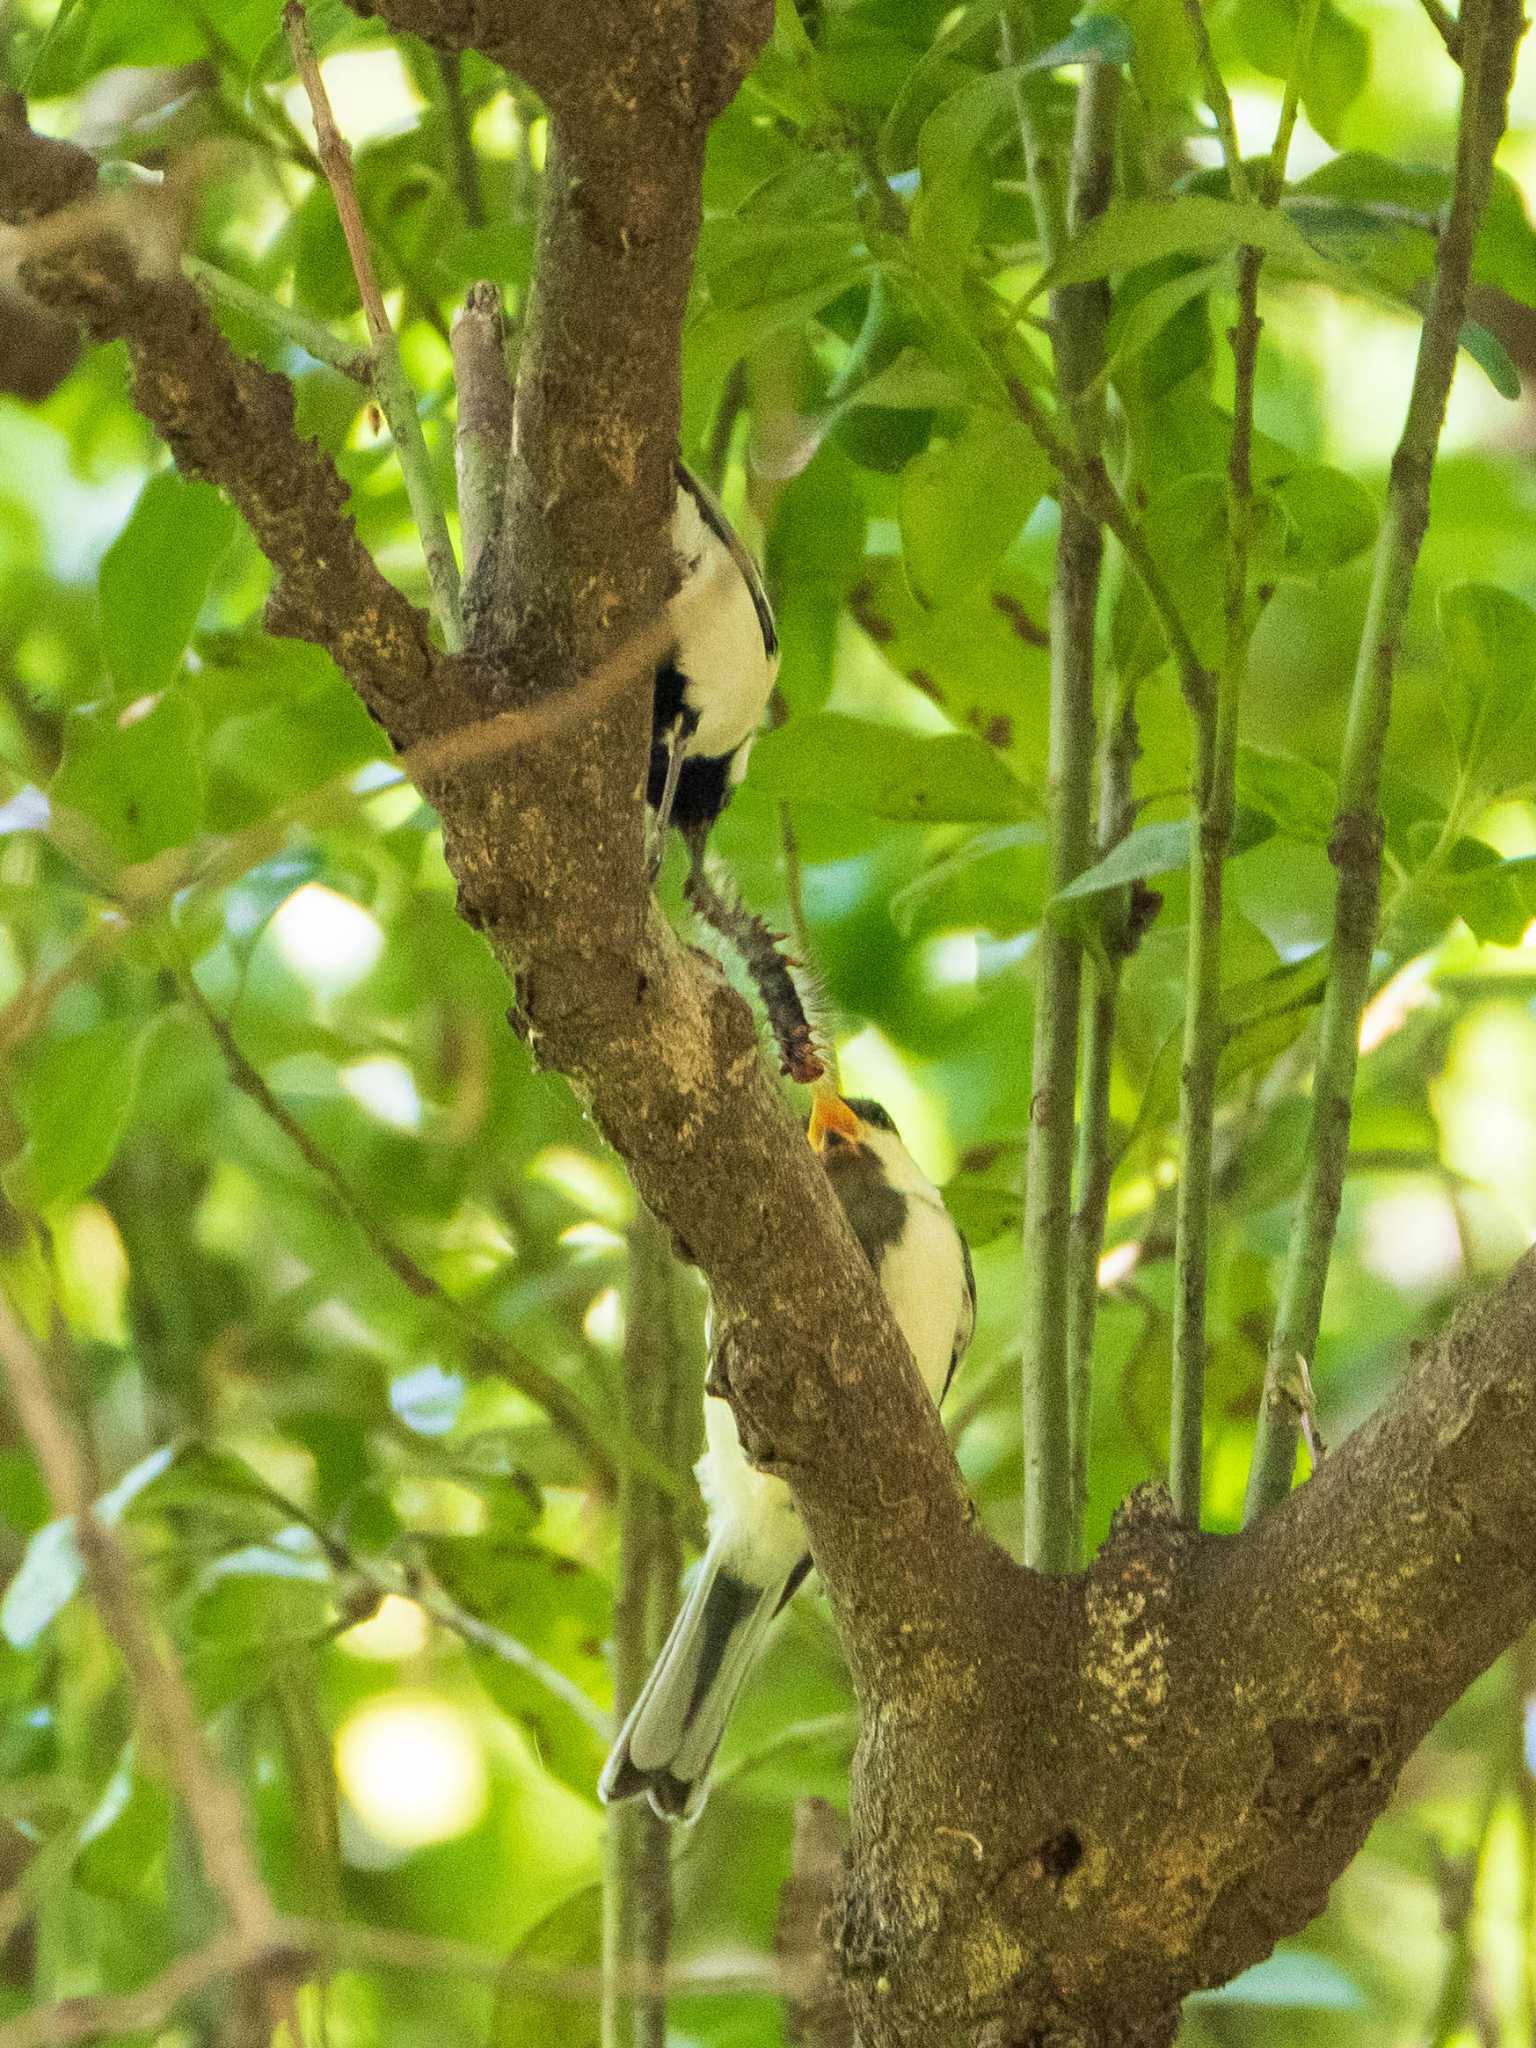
{"x": 668, "y": 1743}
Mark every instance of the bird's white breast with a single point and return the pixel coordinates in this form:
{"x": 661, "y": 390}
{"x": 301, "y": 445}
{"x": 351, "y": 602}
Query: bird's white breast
{"x": 923, "y": 1275}
{"x": 720, "y": 639}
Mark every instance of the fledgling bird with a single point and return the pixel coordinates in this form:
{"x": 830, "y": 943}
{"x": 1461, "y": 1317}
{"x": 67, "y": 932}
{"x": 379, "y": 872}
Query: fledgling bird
{"x": 714, "y": 685}
{"x": 757, "y": 1553}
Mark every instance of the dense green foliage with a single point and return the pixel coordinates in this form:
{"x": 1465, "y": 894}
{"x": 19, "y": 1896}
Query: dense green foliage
{"x": 289, "y": 1367}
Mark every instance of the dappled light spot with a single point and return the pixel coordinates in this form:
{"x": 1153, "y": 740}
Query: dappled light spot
{"x": 413, "y": 1770}
{"x": 328, "y": 941}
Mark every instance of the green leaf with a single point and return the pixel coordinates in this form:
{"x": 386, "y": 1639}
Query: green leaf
{"x": 985, "y": 659}
{"x": 1491, "y": 357}
{"x": 155, "y": 577}
{"x": 985, "y": 1205}
{"x": 887, "y": 771}
{"x": 1338, "y": 64}
{"x": 1186, "y": 529}
{"x": 123, "y": 1838}
{"x": 1149, "y": 850}
{"x": 912, "y": 382}
{"x": 963, "y": 502}
{"x": 552, "y": 1607}
{"x": 1104, "y": 36}
{"x": 995, "y": 882}
{"x": 1157, "y": 850}
{"x": 1136, "y": 232}
{"x": 955, "y": 177}
{"x": 1495, "y": 898}
{"x": 1410, "y": 197}
{"x": 1490, "y": 645}
{"x": 1327, "y": 518}
{"x": 1300, "y": 798}
{"x": 136, "y": 774}
{"x": 75, "y": 1101}
{"x": 1138, "y": 319}
{"x": 566, "y": 1938}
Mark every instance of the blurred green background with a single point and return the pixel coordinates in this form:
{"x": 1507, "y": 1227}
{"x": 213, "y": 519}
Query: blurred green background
{"x": 308, "y": 1455}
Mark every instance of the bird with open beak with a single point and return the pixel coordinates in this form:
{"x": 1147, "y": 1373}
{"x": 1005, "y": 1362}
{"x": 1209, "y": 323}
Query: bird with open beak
{"x": 757, "y": 1554}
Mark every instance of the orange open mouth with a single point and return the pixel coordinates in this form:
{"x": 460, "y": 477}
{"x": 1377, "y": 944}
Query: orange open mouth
{"x": 830, "y": 1116}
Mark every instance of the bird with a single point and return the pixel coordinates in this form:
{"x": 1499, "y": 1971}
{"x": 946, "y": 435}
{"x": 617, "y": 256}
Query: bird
{"x": 757, "y": 1554}
{"x": 713, "y": 685}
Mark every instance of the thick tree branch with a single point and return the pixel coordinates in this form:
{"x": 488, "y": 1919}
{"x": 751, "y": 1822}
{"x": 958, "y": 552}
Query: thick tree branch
{"x": 1147, "y": 1809}
{"x": 1079, "y": 313}
{"x": 232, "y": 422}
{"x": 1075, "y": 1800}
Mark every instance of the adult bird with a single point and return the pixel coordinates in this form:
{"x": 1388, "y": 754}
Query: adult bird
{"x": 713, "y": 686}
{"x": 757, "y": 1554}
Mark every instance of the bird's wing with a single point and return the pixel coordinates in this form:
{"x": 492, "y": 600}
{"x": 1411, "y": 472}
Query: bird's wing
{"x": 713, "y": 514}
{"x": 966, "y": 1326}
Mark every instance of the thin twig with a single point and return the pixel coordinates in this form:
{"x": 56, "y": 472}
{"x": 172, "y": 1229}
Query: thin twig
{"x": 1446, "y": 27}
{"x": 397, "y": 401}
{"x": 1090, "y": 485}
{"x": 1219, "y": 100}
{"x": 565, "y": 1412}
{"x": 160, "y": 1693}
{"x": 125, "y": 2014}
{"x": 1079, "y": 315}
{"x": 461, "y": 148}
{"x": 1095, "y": 1153}
{"x": 1492, "y": 30}
{"x": 637, "y": 1886}
{"x": 1041, "y": 175}
{"x": 534, "y": 724}
{"x": 303, "y": 329}
{"x": 1215, "y": 784}
{"x": 412, "y": 1584}
{"x": 297, "y": 1948}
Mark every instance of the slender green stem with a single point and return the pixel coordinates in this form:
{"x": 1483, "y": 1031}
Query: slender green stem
{"x": 310, "y": 334}
{"x": 1446, "y": 27}
{"x": 565, "y": 1411}
{"x": 1215, "y": 783}
{"x": 391, "y": 386}
{"x": 1203, "y": 1036}
{"x": 1090, "y": 485}
{"x": 1285, "y": 128}
{"x": 461, "y": 149}
{"x": 637, "y": 1879}
{"x": 1491, "y": 32}
{"x": 1079, "y": 314}
{"x": 1095, "y": 1148}
{"x": 1219, "y": 100}
{"x": 1040, "y": 171}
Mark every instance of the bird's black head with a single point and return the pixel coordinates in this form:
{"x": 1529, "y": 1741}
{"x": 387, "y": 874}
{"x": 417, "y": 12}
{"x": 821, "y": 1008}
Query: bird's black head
{"x": 869, "y": 1112}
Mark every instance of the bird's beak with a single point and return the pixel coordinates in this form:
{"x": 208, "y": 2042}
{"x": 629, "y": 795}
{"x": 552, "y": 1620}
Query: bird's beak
{"x": 831, "y": 1118}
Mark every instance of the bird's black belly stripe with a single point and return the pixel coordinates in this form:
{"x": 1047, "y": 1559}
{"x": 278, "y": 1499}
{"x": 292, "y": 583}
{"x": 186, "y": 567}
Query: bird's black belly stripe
{"x": 667, "y": 704}
{"x": 703, "y": 789}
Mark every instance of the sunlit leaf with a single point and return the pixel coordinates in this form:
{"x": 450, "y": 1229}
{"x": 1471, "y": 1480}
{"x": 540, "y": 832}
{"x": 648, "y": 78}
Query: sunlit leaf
{"x": 887, "y": 771}
{"x": 155, "y": 576}
{"x": 75, "y": 1099}
{"x": 1490, "y": 644}
{"x": 963, "y": 502}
